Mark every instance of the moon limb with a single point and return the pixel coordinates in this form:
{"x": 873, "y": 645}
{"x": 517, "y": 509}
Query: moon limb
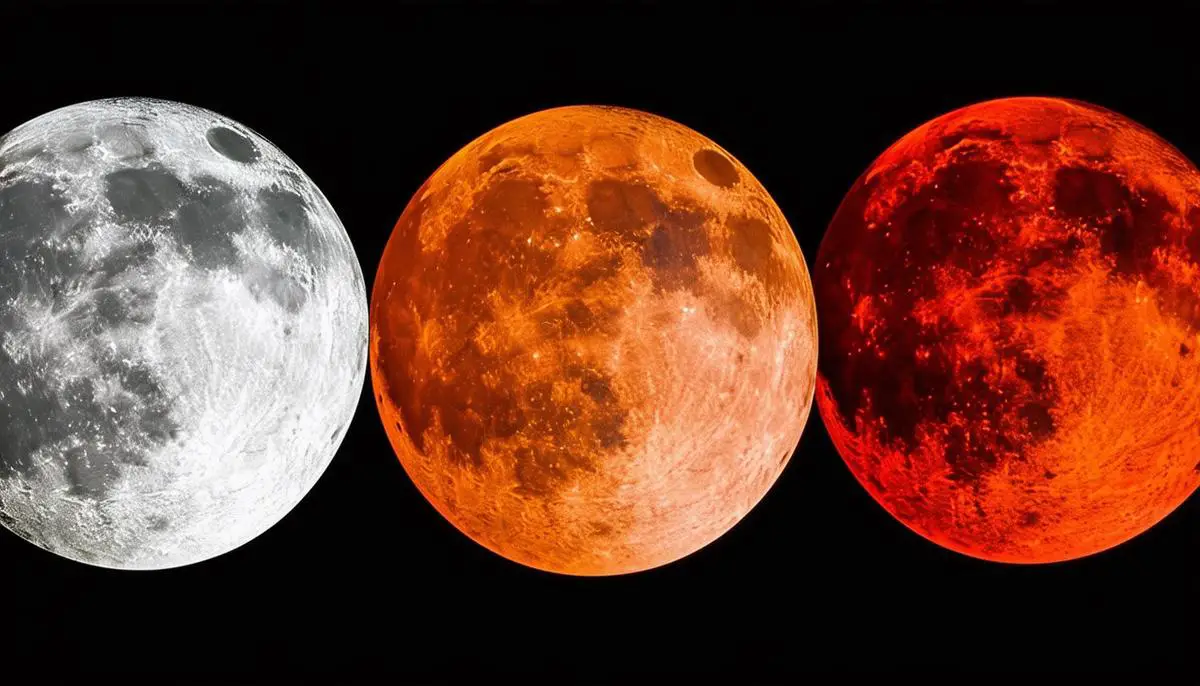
{"x": 593, "y": 340}
{"x": 167, "y": 263}
{"x": 1008, "y": 314}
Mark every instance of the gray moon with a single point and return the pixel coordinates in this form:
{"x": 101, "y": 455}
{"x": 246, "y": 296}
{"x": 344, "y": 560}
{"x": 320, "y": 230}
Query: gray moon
{"x": 183, "y": 333}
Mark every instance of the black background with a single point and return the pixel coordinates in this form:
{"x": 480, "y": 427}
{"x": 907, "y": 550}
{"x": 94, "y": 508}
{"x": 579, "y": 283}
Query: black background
{"x": 364, "y": 578}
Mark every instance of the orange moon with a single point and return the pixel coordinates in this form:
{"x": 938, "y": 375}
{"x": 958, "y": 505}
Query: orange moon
{"x": 1009, "y": 305}
{"x": 593, "y": 340}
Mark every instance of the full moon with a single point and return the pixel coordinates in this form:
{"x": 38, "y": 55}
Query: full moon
{"x": 593, "y": 340}
{"x": 1009, "y": 305}
{"x": 182, "y": 333}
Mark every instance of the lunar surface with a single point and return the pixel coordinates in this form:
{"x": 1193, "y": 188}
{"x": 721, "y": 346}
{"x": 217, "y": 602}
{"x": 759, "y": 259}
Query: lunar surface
{"x": 182, "y": 333}
{"x": 593, "y": 340}
{"x": 1009, "y": 305}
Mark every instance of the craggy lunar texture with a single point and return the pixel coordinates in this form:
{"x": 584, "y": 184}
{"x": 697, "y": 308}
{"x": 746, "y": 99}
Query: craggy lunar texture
{"x": 182, "y": 333}
{"x": 593, "y": 340}
{"x": 1009, "y": 305}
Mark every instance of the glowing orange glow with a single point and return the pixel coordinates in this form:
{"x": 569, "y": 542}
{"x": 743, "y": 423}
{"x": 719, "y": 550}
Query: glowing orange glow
{"x": 593, "y": 340}
{"x": 1009, "y": 305}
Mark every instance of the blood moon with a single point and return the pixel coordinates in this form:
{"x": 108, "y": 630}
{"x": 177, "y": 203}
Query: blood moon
{"x": 593, "y": 340}
{"x": 1009, "y": 303}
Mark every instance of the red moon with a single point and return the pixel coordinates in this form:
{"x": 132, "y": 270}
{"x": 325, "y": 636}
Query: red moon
{"x": 593, "y": 340}
{"x": 1009, "y": 301}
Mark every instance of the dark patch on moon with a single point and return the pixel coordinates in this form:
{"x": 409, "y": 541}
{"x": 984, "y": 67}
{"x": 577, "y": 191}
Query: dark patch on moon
{"x": 601, "y": 529}
{"x": 157, "y": 423}
{"x": 672, "y": 248}
{"x": 1131, "y": 224}
{"x": 1038, "y": 420}
{"x": 596, "y": 267}
{"x": 286, "y": 291}
{"x": 1022, "y": 297}
{"x": 39, "y": 412}
{"x": 88, "y": 476}
{"x": 608, "y": 429}
{"x": 232, "y": 145}
{"x": 498, "y": 245}
{"x": 32, "y": 210}
{"x": 267, "y": 282}
{"x": 138, "y": 379}
{"x": 52, "y": 277}
{"x": 139, "y": 304}
{"x": 622, "y": 207}
{"x": 922, "y": 381}
{"x": 752, "y": 247}
{"x": 751, "y": 244}
{"x": 674, "y": 237}
{"x": 208, "y": 221}
{"x": 110, "y": 309}
{"x": 1085, "y": 193}
{"x": 28, "y": 209}
{"x": 511, "y": 208}
{"x": 43, "y": 414}
{"x": 729, "y": 308}
{"x": 143, "y": 194}
{"x": 285, "y": 215}
{"x": 27, "y": 416}
{"x": 579, "y": 316}
{"x": 540, "y": 471}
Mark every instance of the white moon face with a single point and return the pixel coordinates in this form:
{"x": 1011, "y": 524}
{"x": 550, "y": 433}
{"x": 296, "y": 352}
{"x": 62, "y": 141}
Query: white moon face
{"x": 183, "y": 333}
